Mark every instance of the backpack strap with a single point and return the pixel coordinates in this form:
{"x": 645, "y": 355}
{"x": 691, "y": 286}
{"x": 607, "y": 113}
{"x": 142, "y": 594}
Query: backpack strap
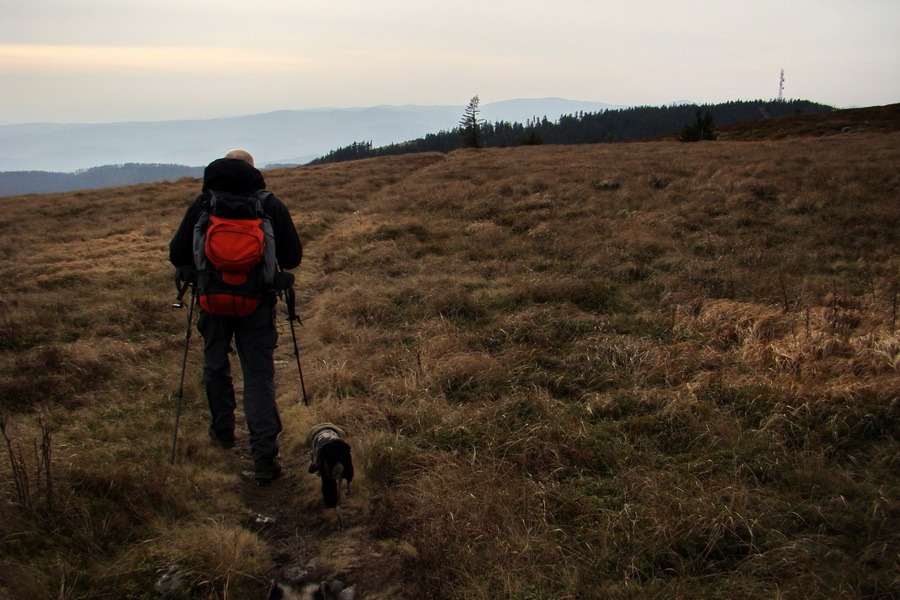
{"x": 208, "y": 202}
{"x": 261, "y": 197}
{"x": 258, "y": 199}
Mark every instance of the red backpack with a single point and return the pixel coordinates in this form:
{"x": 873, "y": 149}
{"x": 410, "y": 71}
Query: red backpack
{"x": 234, "y": 253}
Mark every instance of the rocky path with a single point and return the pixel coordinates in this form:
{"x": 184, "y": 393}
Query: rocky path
{"x": 307, "y": 544}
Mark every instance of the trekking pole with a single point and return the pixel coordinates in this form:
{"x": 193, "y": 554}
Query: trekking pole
{"x": 290, "y": 300}
{"x": 187, "y": 338}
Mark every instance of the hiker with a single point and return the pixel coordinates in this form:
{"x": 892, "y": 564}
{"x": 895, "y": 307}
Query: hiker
{"x": 254, "y": 334}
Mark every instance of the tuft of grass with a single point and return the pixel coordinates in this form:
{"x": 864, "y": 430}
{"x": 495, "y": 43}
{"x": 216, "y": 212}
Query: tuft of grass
{"x": 223, "y": 559}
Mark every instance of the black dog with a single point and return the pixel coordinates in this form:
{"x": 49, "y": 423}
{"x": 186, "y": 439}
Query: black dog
{"x": 331, "y": 459}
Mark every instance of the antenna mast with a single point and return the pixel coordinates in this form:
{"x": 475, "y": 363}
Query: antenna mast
{"x": 781, "y": 87}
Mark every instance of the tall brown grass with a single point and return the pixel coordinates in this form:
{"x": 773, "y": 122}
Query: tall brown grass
{"x": 682, "y": 385}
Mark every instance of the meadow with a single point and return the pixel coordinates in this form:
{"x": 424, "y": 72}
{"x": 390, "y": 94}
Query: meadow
{"x": 645, "y": 370}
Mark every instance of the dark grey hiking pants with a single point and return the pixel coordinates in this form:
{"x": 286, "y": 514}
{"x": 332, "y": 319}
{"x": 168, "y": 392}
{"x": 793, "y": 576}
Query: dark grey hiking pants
{"x": 254, "y": 339}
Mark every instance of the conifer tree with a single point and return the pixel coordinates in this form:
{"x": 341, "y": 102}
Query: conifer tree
{"x": 532, "y": 138}
{"x": 699, "y": 131}
{"x": 470, "y": 125}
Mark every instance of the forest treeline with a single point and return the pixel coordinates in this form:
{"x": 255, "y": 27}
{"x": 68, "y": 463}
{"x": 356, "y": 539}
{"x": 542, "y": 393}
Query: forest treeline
{"x": 44, "y": 182}
{"x": 623, "y": 125}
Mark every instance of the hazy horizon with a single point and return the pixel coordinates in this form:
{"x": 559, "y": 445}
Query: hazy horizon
{"x": 484, "y": 107}
{"x": 273, "y": 137}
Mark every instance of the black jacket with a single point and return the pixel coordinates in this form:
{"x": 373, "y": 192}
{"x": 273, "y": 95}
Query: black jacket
{"x": 237, "y": 177}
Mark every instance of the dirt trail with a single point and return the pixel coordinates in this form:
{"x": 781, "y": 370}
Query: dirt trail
{"x": 306, "y": 541}
{"x": 289, "y": 514}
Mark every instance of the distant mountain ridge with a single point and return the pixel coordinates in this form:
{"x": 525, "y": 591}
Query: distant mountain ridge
{"x": 13, "y": 183}
{"x": 284, "y": 137}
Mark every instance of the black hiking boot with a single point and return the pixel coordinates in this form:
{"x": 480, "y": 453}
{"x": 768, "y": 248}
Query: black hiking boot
{"x": 225, "y": 439}
{"x": 265, "y": 471}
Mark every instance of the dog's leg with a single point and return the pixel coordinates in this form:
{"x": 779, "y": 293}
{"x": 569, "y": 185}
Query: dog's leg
{"x": 337, "y": 473}
{"x": 337, "y": 511}
{"x": 340, "y": 483}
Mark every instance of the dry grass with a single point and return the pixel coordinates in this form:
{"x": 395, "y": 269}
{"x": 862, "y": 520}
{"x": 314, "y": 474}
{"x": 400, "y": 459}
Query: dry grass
{"x": 225, "y": 554}
{"x": 685, "y": 385}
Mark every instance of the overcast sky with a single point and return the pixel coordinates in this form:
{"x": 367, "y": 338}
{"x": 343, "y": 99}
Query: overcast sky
{"x": 140, "y": 60}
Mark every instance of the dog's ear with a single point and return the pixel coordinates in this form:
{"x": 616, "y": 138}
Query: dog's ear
{"x": 322, "y": 592}
{"x": 276, "y": 592}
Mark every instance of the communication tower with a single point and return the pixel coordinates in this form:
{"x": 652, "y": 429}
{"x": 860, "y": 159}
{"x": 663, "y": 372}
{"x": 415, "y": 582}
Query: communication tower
{"x": 781, "y": 86}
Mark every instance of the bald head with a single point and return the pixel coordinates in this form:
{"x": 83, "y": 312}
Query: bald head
{"x": 240, "y": 155}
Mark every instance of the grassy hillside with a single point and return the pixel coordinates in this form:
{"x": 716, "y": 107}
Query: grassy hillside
{"x": 620, "y": 371}
{"x": 881, "y": 119}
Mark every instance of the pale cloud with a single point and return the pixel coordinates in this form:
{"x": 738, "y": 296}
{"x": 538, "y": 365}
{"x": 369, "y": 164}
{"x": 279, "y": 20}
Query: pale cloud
{"x": 141, "y": 58}
{"x": 44, "y": 59}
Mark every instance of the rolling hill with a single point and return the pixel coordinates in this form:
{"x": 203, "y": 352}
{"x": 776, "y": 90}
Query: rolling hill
{"x": 601, "y": 371}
